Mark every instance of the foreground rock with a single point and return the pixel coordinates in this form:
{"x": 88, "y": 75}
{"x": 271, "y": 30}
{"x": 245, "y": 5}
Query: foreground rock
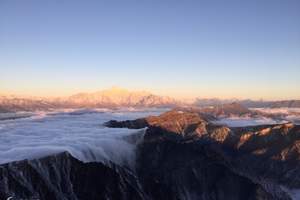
{"x": 182, "y": 156}
{"x": 180, "y": 146}
{"x": 64, "y": 177}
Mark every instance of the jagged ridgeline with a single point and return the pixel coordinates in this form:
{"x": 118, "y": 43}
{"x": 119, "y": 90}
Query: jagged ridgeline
{"x": 118, "y": 97}
{"x": 110, "y": 98}
{"x": 182, "y": 154}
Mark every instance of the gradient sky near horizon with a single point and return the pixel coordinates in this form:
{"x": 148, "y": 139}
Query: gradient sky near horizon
{"x": 243, "y": 49}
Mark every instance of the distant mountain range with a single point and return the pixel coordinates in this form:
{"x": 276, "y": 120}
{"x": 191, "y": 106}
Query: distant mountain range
{"x": 11, "y": 104}
{"x": 110, "y": 98}
{"x": 118, "y": 97}
{"x": 121, "y": 97}
{"x": 248, "y": 103}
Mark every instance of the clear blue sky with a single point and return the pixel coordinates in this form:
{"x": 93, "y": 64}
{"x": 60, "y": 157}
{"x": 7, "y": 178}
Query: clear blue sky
{"x": 181, "y": 48}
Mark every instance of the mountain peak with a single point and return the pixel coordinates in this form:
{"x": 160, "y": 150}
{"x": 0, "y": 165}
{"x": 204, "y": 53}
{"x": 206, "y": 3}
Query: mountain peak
{"x": 115, "y": 90}
{"x": 116, "y": 96}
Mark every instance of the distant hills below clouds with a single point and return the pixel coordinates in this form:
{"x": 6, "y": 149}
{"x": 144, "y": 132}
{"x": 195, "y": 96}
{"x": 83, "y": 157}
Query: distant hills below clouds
{"x": 118, "y": 97}
{"x": 248, "y": 103}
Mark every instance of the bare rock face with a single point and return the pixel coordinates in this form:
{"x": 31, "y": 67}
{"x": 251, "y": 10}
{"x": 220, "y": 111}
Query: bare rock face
{"x": 131, "y": 124}
{"x": 64, "y": 177}
{"x": 178, "y": 169}
{"x": 182, "y": 156}
{"x": 172, "y": 121}
{"x": 266, "y": 156}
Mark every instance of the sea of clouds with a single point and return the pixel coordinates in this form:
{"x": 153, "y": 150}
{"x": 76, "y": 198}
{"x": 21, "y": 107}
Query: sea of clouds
{"x": 248, "y": 121}
{"x": 286, "y": 115}
{"x": 80, "y": 132}
{"x": 287, "y": 111}
{"x": 29, "y": 135}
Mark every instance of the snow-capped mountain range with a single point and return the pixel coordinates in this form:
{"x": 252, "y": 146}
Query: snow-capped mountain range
{"x": 116, "y": 97}
{"x": 109, "y": 98}
{"x": 121, "y": 97}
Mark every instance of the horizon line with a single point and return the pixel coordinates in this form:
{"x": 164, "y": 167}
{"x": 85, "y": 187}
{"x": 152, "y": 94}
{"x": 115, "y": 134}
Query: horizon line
{"x": 27, "y": 95}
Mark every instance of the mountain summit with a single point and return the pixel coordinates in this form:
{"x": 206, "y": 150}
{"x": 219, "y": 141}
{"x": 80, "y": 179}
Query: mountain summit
{"x": 116, "y": 96}
{"x": 109, "y": 98}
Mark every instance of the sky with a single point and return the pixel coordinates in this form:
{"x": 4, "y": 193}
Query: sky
{"x": 180, "y": 48}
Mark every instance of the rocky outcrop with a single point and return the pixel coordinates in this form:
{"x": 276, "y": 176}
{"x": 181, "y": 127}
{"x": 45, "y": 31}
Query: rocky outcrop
{"x": 175, "y": 121}
{"x": 265, "y": 156}
{"x": 178, "y": 169}
{"x": 182, "y": 156}
{"x": 131, "y": 124}
{"x": 64, "y": 177}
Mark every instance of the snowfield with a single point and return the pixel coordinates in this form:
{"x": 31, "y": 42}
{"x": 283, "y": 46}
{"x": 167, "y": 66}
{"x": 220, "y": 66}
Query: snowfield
{"x": 80, "y": 132}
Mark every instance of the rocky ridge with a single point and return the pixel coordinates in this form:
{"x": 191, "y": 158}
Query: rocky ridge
{"x": 266, "y": 155}
{"x": 183, "y": 155}
{"x": 111, "y": 98}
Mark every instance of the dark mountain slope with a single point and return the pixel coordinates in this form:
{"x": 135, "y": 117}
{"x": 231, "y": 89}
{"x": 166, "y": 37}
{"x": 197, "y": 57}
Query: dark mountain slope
{"x": 182, "y": 156}
{"x": 64, "y": 177}
{"x": 267, "y": 156}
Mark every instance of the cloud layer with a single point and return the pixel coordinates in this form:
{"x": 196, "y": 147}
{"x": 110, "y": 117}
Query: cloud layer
{"x": 79, "y": 132}
{"x": 280, "y": 116}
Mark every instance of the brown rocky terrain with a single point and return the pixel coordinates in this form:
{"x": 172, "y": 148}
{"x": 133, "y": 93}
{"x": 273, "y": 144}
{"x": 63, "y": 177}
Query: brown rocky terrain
{"x": 266, "y": 155}
{"x": 183, "y": 155}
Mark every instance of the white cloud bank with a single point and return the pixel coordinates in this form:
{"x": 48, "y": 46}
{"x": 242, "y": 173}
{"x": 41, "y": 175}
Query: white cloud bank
{"x": 79, "y": 132}
{"x": 287, "y": 111}
{"x": 248, "y": 121}
{"x": 285, "y": 115}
